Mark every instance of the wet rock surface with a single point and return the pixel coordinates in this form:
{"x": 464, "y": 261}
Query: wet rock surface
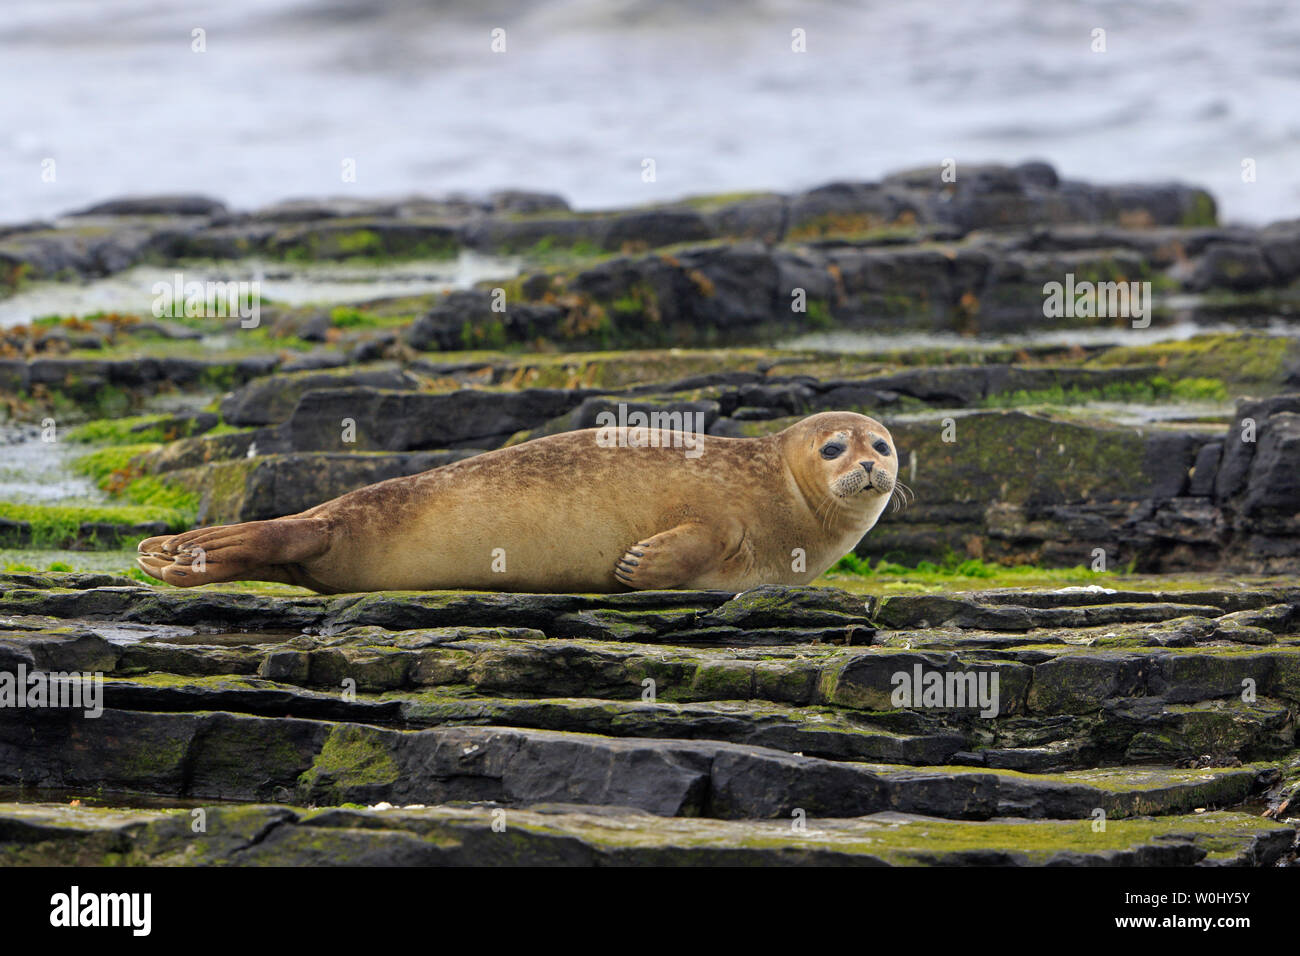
{"x": 659, "y": 726}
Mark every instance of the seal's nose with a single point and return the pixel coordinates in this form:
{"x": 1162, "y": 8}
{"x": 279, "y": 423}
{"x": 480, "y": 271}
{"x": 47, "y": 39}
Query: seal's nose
{"x": 867, "y": 466}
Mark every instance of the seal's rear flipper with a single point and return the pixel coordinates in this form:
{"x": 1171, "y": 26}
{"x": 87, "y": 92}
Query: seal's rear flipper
{"x": 233, "y": 552}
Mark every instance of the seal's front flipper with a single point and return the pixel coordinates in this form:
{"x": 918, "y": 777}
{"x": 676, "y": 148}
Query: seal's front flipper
{"x": 233, "y": 552}
{"x": 672, "y": 559}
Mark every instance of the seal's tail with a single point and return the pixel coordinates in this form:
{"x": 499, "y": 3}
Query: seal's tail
{"x": 232, "y": 552}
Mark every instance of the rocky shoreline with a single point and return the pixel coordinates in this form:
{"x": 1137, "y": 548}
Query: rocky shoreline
{"x": 1106, "y": 529}
{"x": 764, "y": 707}
{"x": 907, "y": 252}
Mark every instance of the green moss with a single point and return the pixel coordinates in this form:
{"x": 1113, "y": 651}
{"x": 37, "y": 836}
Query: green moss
{"x": 1156, "y": 389}
{"x": 856, "y": 573}
{"x": 639, "y": 301}
{"x": 1238, "y": 360}
{"x": 716, "y": 200}
{"x": 819, "y": 315}
{"x": 219, "y": 376}
{"x": 221, "y": 682}
{"x": 122, "y": 431}
{"x": 167, "y": 496}
{"x": 363, "y": 242}
{"x": 351, "y": 757}
{"x": 1217, "y": 837}
{"x": 224, "y": 429}
{"x": 1221, "y": 836}
{"x": 57, "y": 525}
{"x": 109, "y": 401}
{"x": 724, "y": 680}
{"x": 34, "y": 560}
{"x": 148, "y": 762}
{"x": 305, "y": 250}
{"x": 556, "y": 248}
{"x": 227, "y": 484}
{"x": 627, "y": 305}
{"x": 491, "y": 334}
{"x": 1090, "y": 459}
{"x": 113, "y": 470}
{"x": 366, "y": 246}
{"x": 103, "y": 463}
{"x": 1202, "y": 212}
{"x": 348, "y": 317}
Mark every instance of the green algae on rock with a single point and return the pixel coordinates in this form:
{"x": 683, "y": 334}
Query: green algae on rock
{"x": 566, "y": 835}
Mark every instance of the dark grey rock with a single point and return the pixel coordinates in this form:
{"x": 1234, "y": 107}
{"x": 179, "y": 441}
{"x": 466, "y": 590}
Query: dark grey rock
{"x": 268, "y": 400}
{"x": 155, "y": 206}
{"x": 1237, "y": 266}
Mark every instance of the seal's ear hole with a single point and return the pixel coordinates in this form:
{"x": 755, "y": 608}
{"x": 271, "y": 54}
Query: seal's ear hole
{"x": 832, "y": 450}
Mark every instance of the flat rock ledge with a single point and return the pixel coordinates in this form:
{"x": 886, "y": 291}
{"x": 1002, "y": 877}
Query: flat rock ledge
{"x": 264, "y": 835}
{"x": 1102, "y": 727}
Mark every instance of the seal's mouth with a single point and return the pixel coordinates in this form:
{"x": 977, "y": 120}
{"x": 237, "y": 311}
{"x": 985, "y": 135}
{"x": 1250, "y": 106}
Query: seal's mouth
{"x": 862, "y": 481}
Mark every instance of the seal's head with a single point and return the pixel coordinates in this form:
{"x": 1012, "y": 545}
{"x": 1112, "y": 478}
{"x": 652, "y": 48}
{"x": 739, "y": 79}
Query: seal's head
{"x": 846, "y": 459}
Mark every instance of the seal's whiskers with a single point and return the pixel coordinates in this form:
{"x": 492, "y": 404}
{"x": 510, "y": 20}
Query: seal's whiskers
{"x": 901, "y": 496}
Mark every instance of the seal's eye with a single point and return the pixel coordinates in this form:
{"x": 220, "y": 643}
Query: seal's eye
{"x": 832, "y": 450}
{"x": 881, "y": 446}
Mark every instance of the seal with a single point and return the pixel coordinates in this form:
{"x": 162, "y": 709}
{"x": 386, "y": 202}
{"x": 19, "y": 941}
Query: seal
{"x": 598, "y": 510}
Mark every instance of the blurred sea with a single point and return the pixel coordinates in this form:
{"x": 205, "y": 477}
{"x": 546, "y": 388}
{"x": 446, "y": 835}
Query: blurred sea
{"x": 710, "y": 89}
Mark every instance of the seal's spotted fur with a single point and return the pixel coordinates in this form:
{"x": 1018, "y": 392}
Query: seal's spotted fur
{"x": 570, "y": 512}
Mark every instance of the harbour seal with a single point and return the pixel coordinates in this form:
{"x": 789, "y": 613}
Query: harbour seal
{"x": 598, "y": 510}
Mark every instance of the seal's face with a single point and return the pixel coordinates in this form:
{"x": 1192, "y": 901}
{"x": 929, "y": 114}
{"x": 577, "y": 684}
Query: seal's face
{"x": 847, "y": 459}
{"x": 858, "y": 461}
